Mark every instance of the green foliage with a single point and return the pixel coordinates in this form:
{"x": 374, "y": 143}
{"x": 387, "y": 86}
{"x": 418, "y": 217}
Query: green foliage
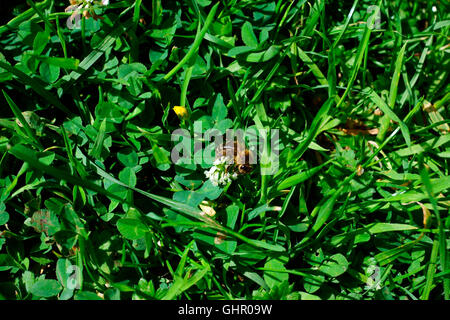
{"x": 93, "y": 207}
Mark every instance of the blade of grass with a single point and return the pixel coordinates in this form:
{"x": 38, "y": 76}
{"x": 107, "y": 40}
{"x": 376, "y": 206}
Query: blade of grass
{"x": 442, "y": 239}
{"x": 323, "y": 212}
{"x": 98, "y": 145}
{"x": 419, "y": 69}
{"x": 28, "y": 156}
{"x": 314, "y": 129}
{"x": 36, "y": 86}
{"x": 347, "y": 21}
{"x": 234, "y": 102}
{"x": 388, "y": 113}
{"x": 184, "y": 87}
{"x": 300, "y": 177}
{"x": 61, "y": 37}
{"x": 423, "y": 147}
{"x": 364, "y": 44}
{"x": 97, "y": 52}
{"x": 75, "y": 163}
{"x": 39, "y": 12}
{"x": 396, "y": 77}
{"x": 431, "y": 270}
{"x": 311, "y": 65}
{"x": 197, "y": 41}
{"x": 134, "y": 50}
{"x": 182, "y": 284}
{"x": 388, "y": 116}
{"x": 24, "y": 16}
{"x": 267, "y": 79}
{"x": 15, "y": 109}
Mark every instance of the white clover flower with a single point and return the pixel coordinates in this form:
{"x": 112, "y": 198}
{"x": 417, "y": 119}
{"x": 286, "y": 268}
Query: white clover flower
{"x": 78, "y": 5}
{"x": 222, "y": 160}
{"x": 218, "y": 174}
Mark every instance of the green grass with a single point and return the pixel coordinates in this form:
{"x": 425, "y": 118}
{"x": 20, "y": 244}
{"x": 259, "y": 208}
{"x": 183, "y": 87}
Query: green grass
{"x": 92, "y": 206}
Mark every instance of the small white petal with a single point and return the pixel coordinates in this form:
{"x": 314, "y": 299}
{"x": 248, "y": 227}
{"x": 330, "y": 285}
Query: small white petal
{"x": 71, "y": 8}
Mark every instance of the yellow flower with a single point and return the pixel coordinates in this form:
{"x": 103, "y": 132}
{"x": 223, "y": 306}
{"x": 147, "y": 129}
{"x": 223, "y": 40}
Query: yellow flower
{"x": 181, "y": 112}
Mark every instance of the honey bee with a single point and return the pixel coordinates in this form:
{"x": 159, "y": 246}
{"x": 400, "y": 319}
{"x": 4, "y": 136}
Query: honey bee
{"x": 242, "y": 157}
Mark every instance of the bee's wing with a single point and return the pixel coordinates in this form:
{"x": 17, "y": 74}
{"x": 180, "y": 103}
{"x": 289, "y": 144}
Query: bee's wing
{"x": 219, "y": 148}
{"x": 244, "y": 156}
{"x": 251, "y": 157}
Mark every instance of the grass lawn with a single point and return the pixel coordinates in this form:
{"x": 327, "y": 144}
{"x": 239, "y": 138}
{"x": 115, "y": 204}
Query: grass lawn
{"x": 114, "y": 184}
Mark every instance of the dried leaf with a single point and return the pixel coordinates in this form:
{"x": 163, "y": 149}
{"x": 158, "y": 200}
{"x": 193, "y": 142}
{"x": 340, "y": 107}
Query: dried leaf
{"x": 220, "y": 238}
